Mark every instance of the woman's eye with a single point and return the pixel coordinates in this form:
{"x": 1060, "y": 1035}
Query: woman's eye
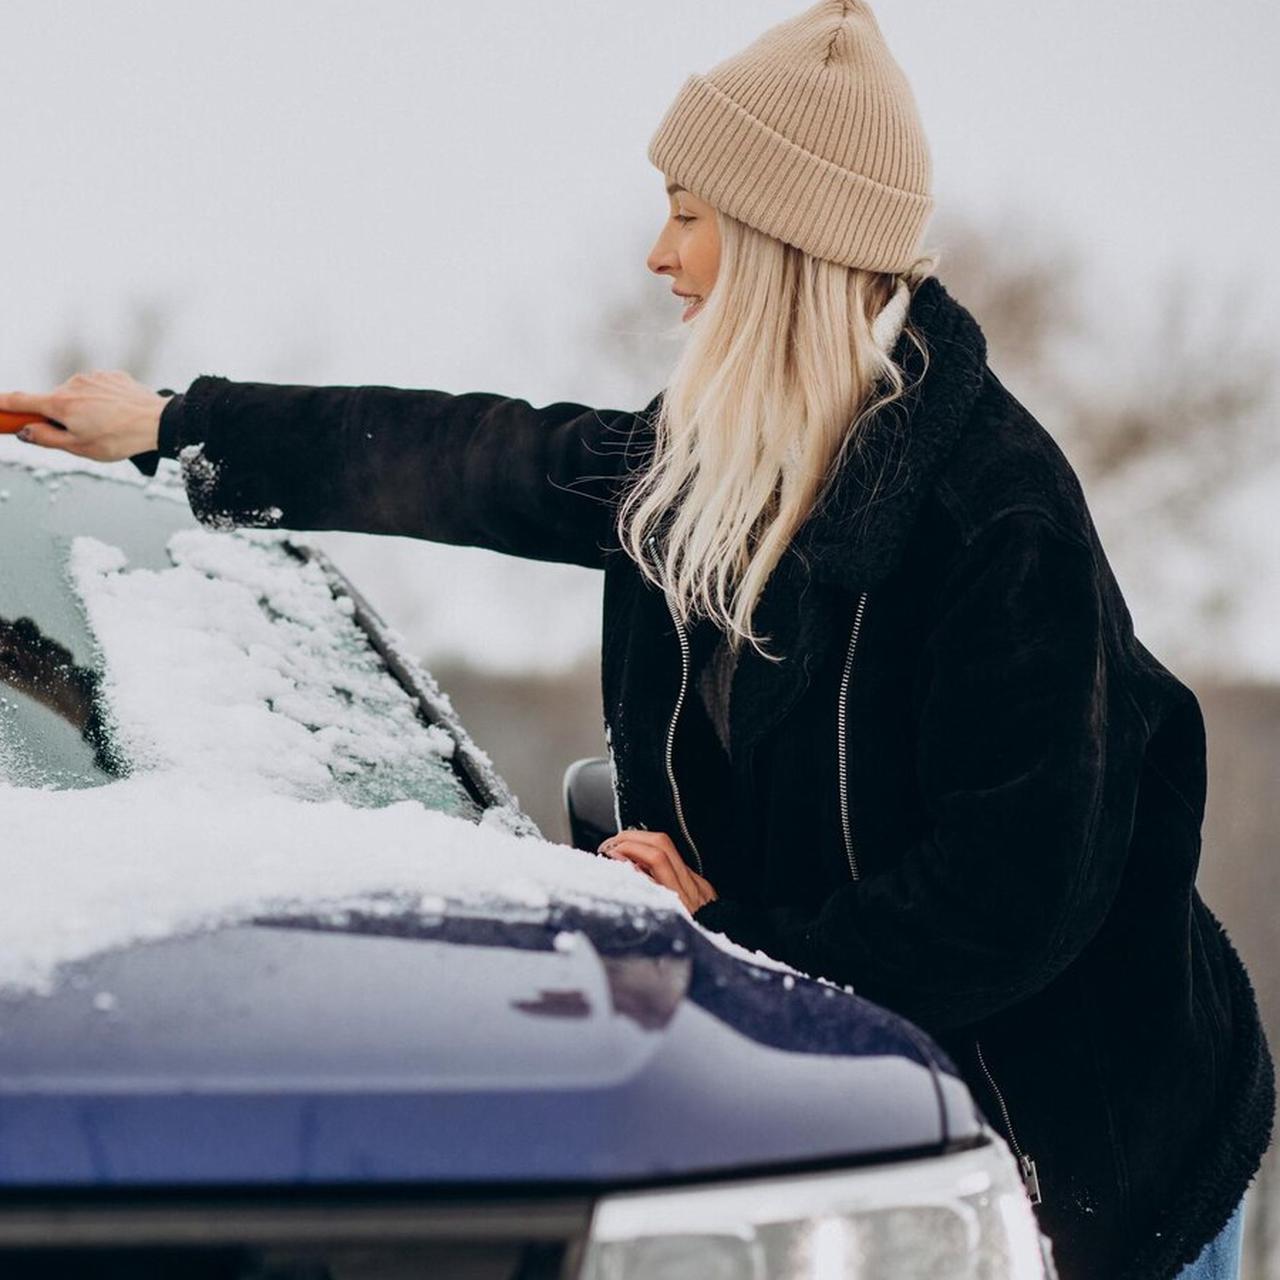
{"x": 682, "y": 217}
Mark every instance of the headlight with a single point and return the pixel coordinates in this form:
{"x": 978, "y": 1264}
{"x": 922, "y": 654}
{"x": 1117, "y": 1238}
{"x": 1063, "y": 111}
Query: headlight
{"x": 963, "y": 1217}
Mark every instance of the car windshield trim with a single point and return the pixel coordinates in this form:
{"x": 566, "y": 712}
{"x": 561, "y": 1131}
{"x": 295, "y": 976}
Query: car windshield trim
{"x": 473, "y": 768}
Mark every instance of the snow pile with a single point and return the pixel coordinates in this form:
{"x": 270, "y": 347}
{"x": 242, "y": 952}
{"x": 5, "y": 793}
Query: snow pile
{"x": 167, "y": 853}
{"x": 267, "y": 678}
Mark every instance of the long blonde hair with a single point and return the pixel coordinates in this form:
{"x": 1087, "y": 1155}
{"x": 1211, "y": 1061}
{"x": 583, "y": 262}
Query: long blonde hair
{"x": 778, "y": 374}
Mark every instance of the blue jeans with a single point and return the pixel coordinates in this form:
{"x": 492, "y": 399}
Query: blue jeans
{"x": 1220, "y": 1258}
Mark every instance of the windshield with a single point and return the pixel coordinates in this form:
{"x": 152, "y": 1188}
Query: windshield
{"x": 133, "y": 639}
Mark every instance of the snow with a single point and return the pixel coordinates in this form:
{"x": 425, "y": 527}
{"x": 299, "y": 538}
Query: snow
{"x": 398, "y": 648}
{"x": 268, "y": 681}
{"x": 761, "y": 959}
{"x": 200, "y": 477}
{"x": 166, "y": 853}
{"x": 167, "y": 482}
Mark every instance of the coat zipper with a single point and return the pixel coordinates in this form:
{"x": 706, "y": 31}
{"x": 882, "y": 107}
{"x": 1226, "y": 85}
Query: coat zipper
{"x": 842, "y": 758}
{"x": 671, "y": 729}
{"x": 1026, "y": 1165}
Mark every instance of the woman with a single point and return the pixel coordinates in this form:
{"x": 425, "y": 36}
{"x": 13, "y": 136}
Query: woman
{"x": 872, "y": 694}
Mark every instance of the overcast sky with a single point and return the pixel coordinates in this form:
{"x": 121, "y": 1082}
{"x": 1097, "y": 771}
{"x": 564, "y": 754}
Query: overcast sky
{"x": 448, "y": 194}
{"x": 393, "y": 190}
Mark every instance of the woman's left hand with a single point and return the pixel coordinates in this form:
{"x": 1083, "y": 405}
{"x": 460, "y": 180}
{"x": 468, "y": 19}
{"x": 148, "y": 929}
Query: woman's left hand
{"x": 658, "y": 858}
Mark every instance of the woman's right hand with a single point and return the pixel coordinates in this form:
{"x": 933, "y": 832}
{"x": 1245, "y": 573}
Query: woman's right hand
{"x": 104, "y": 415}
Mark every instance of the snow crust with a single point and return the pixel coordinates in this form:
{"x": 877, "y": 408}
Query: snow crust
{"x": 167, "y": 482}
{"x": 762, "y": 959}
{"x": 166, "y": 853}
{"x": 267, "y": 680}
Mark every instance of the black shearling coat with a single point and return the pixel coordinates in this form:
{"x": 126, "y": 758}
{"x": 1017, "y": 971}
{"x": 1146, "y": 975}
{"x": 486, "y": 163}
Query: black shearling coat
{"x": 1003, "y": 848}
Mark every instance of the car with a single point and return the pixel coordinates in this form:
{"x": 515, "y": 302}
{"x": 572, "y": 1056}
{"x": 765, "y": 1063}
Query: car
{"x": 293, "y": 988}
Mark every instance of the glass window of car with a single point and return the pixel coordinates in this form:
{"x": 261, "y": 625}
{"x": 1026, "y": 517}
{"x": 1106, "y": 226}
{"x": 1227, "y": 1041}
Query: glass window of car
{"x": 124, "y": 626}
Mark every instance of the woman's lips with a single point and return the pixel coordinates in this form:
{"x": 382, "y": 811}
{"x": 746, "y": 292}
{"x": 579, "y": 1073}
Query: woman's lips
{"x": 691, "y": 309}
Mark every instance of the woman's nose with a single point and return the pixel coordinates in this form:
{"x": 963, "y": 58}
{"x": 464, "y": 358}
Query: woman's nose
{"x": 661, "y": 260}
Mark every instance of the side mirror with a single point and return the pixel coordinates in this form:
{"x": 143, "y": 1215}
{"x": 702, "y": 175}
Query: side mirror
{"x": 588, "y": 802}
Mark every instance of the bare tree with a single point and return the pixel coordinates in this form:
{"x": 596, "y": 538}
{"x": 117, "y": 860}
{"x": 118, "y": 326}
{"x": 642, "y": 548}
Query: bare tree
{"x": 1179, "y": 418}
{"x": 1026, "y": 294}
{"x": 1164, "y": 423}
{"x": 137, "y": 355}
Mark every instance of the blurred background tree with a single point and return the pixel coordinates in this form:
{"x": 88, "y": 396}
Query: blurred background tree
{"x": 1166, "y": 429}
{"x": 142, "y": 336}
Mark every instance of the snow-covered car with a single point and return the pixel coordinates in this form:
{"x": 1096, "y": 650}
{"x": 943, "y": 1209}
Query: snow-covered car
{"x": 290, "y": 986}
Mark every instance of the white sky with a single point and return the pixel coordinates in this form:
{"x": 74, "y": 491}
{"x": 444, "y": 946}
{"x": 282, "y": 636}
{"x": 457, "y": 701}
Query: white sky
{"x": 391, "y": 190}
{"x": 448, "y": 194}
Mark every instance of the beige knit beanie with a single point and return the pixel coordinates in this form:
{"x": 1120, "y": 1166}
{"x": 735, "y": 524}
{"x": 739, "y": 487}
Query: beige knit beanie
{"x": 811, "y": 135}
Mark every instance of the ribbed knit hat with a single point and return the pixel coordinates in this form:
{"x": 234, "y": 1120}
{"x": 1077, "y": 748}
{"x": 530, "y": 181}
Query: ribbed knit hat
{"x": 810, "y": 134}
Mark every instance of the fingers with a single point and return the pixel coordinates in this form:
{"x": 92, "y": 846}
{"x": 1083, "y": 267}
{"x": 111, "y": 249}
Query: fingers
{"x": 665, "y": 867}
{"x": 50, "y": 437}
{"x": 53, "y": 403}
{"x": 658, "y": 839}
{"x": 653, "y": 853}
{"x": 656, "y": 849}
{"x": 24, "y": 402}
{"x": 650, "y": 860}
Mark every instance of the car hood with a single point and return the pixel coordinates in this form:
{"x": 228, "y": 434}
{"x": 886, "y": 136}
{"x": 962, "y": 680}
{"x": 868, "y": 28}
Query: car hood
{"x": 374, "y": 1047}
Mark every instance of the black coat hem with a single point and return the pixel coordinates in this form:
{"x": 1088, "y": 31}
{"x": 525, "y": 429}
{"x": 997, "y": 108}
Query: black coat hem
{"x": 1220, "y": 1172}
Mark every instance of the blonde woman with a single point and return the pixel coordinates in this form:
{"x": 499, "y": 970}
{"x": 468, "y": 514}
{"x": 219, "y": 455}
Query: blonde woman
{"x": 873, "y": 697}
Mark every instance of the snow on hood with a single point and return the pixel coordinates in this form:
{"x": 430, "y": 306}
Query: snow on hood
{"x": 165, "y": 853}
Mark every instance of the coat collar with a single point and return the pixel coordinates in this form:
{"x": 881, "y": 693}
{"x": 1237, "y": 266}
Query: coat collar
{"x": 855, "y": 538}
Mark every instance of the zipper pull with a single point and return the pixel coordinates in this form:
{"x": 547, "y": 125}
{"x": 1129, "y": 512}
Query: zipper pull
{"x": 1030, "y": 1179}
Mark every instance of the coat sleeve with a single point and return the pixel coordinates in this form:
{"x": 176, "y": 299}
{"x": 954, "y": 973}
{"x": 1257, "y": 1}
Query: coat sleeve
{"x": 1013, "y": 876}
{"x": 476, "y": 469}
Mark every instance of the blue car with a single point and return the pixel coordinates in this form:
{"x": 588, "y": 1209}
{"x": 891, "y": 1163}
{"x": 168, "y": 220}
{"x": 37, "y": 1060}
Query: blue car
{"x": 493, "y": 1084}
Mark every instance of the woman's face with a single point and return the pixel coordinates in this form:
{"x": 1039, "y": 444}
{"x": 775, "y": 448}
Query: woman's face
{"x": 688, "y": 249}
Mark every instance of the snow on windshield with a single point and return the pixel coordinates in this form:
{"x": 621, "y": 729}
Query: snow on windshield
{"x": 267, "y": 678}
{"x": 34, "y": 457}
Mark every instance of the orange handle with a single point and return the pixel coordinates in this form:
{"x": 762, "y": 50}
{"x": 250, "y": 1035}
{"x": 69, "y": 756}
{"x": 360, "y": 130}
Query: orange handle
{"x": 11, "y": 422}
